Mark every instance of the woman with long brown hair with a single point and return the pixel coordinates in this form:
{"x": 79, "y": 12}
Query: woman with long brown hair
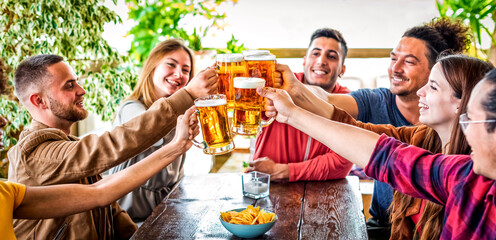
{"x": 168, "y": 68}
{"x": 411, "y": 217}
{"x": 442, "y": 100}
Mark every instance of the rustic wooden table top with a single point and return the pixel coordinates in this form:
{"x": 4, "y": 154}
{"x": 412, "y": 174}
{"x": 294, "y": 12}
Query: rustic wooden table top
{"x": 306, "y": 210}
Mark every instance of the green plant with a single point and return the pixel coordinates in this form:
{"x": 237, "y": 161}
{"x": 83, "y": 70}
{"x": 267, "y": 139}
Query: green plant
{"x": 232, "y": 46}
{"x": 71, "y": 29}
{"x": 158, "y": 20}
{"x": 473, "y": 13}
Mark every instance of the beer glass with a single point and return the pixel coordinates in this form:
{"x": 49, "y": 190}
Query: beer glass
{"x": 247, "y": 119}
{"x": 229, "y": 66}
{"x": 212, "y": 112}
{"x": 255, "y": 52}
{"x": 261, "y": 66}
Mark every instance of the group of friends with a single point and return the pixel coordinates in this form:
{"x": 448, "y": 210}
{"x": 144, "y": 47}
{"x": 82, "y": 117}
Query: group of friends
{"x": 428, "y": 140}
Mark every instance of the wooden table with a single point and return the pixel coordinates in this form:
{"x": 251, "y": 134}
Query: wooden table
{"x": 306, "y": 210}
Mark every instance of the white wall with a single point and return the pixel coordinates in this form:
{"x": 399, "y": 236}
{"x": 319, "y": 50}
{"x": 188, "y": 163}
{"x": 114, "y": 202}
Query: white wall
{"x": 289, "y": 23}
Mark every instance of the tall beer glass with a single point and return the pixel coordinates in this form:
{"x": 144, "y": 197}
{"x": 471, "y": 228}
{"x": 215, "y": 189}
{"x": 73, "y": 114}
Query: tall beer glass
{"x": 212, "y": 112}
{"x": 247, "y": 119}
{"x": 261, "y": 66}
{"x": 229, "y": 66}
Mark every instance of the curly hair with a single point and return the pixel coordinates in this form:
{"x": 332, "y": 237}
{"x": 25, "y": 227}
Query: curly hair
{"x": 442, "y": 34}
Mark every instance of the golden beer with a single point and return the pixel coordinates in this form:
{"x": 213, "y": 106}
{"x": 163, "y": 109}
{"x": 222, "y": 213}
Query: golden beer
{"x": 212, "y": 113}
{"x": 261, "y": 66}
{"x": 247, "y": 119}
{"x": 229, "y": 66}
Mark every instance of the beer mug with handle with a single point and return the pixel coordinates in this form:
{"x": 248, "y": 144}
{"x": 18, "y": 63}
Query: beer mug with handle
{"x": 214, "y": 124}
{"x": 248, "y": 105}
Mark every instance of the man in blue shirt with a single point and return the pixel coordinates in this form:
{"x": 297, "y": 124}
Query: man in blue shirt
{"x": 411, "y": 62}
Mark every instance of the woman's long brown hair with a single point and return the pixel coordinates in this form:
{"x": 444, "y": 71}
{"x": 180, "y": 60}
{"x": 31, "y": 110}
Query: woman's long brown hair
{"x": 144, "y": 90}
{"x": 462, "y": 73}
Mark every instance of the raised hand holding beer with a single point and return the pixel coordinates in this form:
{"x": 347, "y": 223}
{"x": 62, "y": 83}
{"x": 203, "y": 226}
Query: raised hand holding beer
{"x": 212, "y": 112}
{"x": 186, "y": 130}
{"x": 248, "y": 106}
{"x": 203, "y": 84}
{"x": 279, "y": 104}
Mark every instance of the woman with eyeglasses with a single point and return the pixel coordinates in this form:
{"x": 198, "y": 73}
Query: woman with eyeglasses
{"x": 442, "y": 100}
{"x": 464, "y": 184}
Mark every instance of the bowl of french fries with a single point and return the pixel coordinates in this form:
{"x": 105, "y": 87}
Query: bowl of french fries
{"x": 248, "y": 222}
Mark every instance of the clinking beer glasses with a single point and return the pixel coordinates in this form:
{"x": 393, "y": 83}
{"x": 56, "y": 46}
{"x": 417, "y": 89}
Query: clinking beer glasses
{"x": 261, "y": 66}
{"x": 229, "y": 66}
{"x": 212, "y": 112}
{"x": 247, "y": 119}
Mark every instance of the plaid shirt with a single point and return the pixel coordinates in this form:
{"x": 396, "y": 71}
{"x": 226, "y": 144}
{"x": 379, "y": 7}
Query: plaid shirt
{"x": 445, "y": 179}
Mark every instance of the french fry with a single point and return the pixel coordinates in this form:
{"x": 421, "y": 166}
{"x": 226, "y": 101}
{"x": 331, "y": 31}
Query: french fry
{"x": 248, "y": 216}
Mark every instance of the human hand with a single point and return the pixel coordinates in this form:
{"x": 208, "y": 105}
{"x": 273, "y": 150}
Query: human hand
{"x": 186, "y": 129}
{"x": 288, "y": 80}
{"x": 278, "y": 81}
{"x": 203, "y": 84}
{"x": 277, "y": 171}
{"x": 279, "y": 103}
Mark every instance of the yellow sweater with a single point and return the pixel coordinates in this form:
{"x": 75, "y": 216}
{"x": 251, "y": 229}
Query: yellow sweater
{"x": 11, "y": 196}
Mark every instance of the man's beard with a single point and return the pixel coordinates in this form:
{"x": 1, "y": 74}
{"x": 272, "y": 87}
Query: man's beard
{"x": 69, "y": 113}
{"x": 401, "y": 93}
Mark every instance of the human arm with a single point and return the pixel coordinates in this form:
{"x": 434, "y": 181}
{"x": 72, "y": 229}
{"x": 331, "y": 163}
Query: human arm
{"x": 129, "y": 110}
{"x": 314, "y": 98}
{"x": 409, "y": 169}
{"x": 412, "y": 135}
{"x": 48, "y": 154}
{"x": 277, "y": 171}
{"x": 322, "y": 167}
{"x": 417, "y": 172}
{"x": 61, "y": 200}
{"x": 342, "y": 138}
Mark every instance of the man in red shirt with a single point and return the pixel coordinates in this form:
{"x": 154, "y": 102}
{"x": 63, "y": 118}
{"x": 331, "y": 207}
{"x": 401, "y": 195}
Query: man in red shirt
{"x": 289, "y": 154}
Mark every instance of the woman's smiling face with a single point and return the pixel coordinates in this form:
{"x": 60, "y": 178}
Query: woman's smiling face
{"x": 172, "y": 73}
{"x": 438, "y": 104}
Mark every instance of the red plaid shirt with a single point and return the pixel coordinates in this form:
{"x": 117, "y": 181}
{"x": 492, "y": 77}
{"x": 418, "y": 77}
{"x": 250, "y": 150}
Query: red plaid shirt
{"x": 444, "y": 179}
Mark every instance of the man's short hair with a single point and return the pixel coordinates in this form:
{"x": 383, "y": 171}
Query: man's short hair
{"x": 330, "y": 33}
{"x": 33, "y": 72}
{"x": 441, "y": 34}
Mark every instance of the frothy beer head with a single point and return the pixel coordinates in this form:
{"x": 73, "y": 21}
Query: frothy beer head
{"x": 229, "y": 58}
{"x": 248, "y": 82}
{"x": 260, "y": 57}
{"x": 210, "y": 103}
{"x": 255, "y": 52}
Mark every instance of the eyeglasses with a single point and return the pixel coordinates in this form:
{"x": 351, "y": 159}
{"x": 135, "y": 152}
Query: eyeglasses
{"x": 464, "y": 121}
